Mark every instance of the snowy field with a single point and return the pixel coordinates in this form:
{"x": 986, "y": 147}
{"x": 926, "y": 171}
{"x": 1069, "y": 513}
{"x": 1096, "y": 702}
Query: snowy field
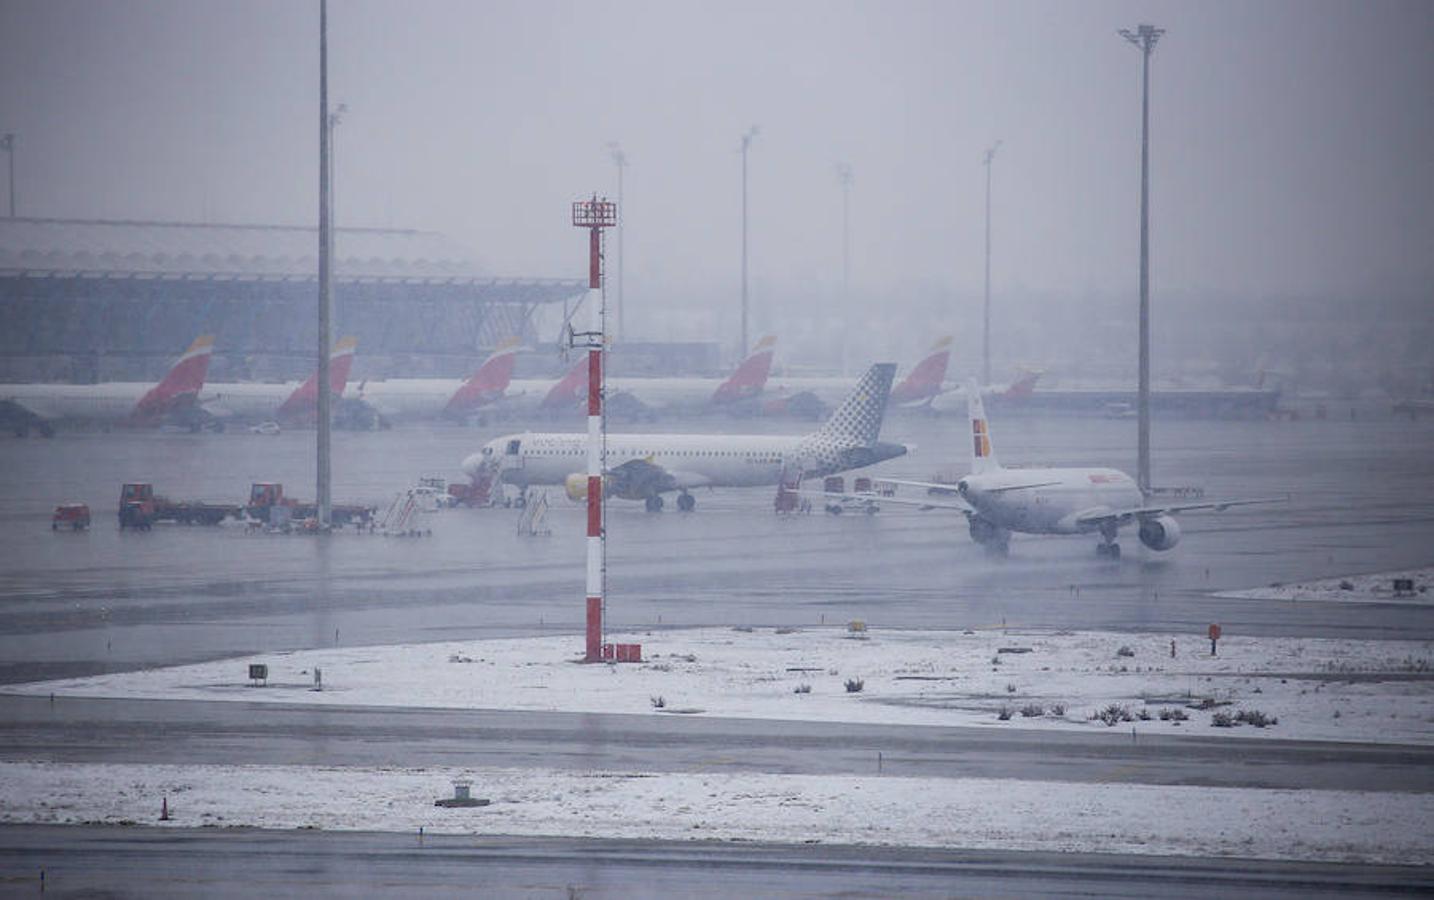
{"x": 1343, "y": 690}
{"x": 1312, "y": 688}
{"x": 929, "y": 812}
{"x": 1377, "y": 587}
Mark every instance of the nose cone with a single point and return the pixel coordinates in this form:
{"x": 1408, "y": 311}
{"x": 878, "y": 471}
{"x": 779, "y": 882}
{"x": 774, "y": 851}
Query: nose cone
{"x": 473, "y": 465}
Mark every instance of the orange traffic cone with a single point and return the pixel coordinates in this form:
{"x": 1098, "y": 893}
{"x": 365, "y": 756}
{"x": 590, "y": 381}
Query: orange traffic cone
{"x": 164, "y": 810}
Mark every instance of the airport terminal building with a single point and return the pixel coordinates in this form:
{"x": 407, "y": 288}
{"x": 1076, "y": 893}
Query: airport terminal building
{"x": 88, "y": 300}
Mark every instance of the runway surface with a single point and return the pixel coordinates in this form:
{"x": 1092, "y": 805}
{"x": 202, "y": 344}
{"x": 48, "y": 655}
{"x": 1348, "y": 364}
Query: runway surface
{"x": 136, "y": 862}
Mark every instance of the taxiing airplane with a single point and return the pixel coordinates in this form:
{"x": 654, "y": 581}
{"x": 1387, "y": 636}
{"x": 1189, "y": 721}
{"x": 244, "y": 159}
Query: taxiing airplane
{"x": 286, "y": 402}
{"x": 121, "y": 403}
{"x": 646, "y": 466}
{"x": 998, "y": 501}
{"x": 402, "y": 399}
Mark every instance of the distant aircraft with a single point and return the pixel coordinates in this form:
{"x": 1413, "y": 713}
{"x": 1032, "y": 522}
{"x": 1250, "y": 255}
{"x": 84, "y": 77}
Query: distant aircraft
{"x": 403, "y": 399}
{"x": 811, "y": 396}
{"x": 121, "y": 403}
{"x": 998, "y": 501}
{"x": 646, "y": 466}
{"x": 286, "y": 402}
{"x": 701, "y": 395}
{"x": 647, "y": 398}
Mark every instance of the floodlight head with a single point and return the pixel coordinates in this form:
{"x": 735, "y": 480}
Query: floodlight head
{"x": 618, "y": 156}
{"x": 594, "y": 213}
{"x": 751, "y": 133}
{"x": 844, "y": 173}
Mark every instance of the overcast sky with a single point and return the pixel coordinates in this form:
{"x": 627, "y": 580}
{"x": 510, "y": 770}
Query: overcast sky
{"x": 1293, "y": 143}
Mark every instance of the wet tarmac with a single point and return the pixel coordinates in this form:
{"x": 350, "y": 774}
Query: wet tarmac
{"x": 1361, "y": 500}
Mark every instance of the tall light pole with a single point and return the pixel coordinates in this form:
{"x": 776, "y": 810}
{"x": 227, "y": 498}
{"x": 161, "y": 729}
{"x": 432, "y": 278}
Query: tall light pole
{"x": 746, "y": 143}
{"x": 335, "y": 118}
{"x": 986, "y": 315}
{"x": 619, "y": 159}
{"x": 1144, "y": 37}
{"x": 8, "y": 143}
{"x": 845, "y": 179}
{"x": 326, "y": 251}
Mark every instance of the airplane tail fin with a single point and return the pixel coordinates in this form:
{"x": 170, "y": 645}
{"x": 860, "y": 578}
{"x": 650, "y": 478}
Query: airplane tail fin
{"x": 1023, "y": 386}
{"x": 750, "y": 377}
{"x": 570, "y": 389}
{"x": 304, "y": 401}
{"x": 983, "y": 455}
{"x": 489, "y": 382}
{"x": 182, "y": 384}
{"x": 924, "y": 380}
{"x": 858, "y": 418}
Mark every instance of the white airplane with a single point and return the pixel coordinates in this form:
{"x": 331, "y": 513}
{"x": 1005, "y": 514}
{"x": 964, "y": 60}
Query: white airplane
{"x": 401, "y": 399}
{"x": 646, "y": 466}
{"x": 288, "y": 402}
{"x": 123, "y": 403}
{"x": 998, "y": 501}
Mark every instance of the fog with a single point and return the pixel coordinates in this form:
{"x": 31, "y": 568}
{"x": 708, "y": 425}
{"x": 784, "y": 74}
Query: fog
{"x": 1291, "y": 151}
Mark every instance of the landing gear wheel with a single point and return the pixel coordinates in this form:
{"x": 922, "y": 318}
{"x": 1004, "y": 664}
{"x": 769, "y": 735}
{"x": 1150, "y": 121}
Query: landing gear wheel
{"x": 654, "y": 504}
{"x": 686, "y": 502}
{"x": 1111, "y": 550}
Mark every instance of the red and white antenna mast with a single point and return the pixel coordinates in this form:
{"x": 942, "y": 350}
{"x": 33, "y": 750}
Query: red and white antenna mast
{"x": 595, "y": 215}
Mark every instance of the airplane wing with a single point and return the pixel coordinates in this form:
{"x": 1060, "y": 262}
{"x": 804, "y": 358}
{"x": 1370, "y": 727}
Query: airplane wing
{"x": 1122, "y": 516}
{"x": 939, "y": 487}
{"x": 31, "y": 407}
{"x": 638, "y": 479}
{"x": 874, "y": 499}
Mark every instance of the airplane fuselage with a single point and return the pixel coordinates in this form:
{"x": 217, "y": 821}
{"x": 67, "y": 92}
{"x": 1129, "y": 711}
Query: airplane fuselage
{"x": 1048, "y": 501}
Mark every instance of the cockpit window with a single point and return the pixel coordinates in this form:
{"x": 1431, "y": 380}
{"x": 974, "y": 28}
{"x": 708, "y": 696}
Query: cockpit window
{"x": 487, "y": 451}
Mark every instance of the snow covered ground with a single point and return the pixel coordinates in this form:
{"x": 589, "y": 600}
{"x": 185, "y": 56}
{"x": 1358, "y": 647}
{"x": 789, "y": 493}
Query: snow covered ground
{"x": 1326, "y": 689}
{"x": 1377, "y": 587}
{"x": 1316, "y": 689}
{"x": 932, "y": 812}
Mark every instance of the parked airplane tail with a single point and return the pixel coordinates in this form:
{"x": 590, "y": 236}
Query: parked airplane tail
{"x": 983, "y": 455}
{"x": 1022, "y": 387}
{"x": 304, "y": 401}
{"x": 750, "y": 376}
{"x": 182, "y": 385}
{"x": 570, "y": 389}
{"x": 858, "y": 418}
{"x": 924, "y": 380}
{"x": 489, "y": 382}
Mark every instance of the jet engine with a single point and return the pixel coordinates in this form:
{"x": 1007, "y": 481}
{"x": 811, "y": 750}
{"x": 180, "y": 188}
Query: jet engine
{"x": 576, "y": 487}
{"x": 1159, "y": 532}
{"x": 982, "y": 531}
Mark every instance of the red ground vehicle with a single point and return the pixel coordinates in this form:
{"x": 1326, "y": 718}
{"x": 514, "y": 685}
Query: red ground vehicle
{"x": 268, "y": 504}
{"x": 140, "y": 508}
{"x": 75, "y": 516}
